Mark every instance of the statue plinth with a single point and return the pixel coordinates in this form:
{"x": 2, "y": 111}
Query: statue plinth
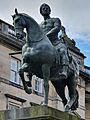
{"x": 36, "y": 113}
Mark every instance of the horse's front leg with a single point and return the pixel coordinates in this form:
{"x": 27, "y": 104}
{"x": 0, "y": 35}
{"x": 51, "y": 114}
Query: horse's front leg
{"x": 23, "y": 69}
{"x": 29, "y": 75}
{"x": 46, "y": 76}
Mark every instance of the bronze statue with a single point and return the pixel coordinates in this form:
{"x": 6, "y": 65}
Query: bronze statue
{"x": 39, "y": 57}
{"x": 51, "y": 27}
{"x": 69, "y": 42}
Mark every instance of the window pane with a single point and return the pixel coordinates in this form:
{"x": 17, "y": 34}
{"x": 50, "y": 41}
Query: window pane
{"x": 12, "y": 78}
{"x": 11, "y": 106}
{"x": 15, "y": 65}
{"x": 38, "y": 85}
{"x": 17, "y": 80}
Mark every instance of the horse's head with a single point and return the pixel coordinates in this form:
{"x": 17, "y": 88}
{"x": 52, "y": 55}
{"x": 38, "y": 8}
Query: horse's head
{"x": 19, "y": 24}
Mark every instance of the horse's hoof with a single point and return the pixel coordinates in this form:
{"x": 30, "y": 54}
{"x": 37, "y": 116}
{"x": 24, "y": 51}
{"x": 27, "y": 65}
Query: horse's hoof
{"x": 29, "y": 91}
{"x": 67, "y": 109}
{"x": 43, "y": 104}
{"x": 28, "y": 83}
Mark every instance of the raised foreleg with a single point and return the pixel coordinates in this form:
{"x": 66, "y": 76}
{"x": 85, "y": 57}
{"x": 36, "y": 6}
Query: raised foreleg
{"x": 23, "y": 69}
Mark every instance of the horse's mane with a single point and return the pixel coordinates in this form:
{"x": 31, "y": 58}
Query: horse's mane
{"x": 28, "y": 16}
{"x": 39, "y": 34}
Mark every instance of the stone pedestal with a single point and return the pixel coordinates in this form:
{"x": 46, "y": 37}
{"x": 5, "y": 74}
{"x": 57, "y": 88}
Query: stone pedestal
{"x": 36, "y": 113}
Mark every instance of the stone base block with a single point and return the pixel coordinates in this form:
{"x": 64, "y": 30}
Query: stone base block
{"x": 36, "y": 113}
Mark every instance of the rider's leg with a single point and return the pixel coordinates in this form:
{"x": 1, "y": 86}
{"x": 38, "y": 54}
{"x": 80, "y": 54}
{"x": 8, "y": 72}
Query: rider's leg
{"x": 64, "y": 62}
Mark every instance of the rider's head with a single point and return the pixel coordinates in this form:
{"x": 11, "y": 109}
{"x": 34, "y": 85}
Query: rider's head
{"x": 45, "y": 9}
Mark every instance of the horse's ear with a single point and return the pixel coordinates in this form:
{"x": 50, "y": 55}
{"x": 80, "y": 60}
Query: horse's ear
{"x": 16, "y": 11}
{"x": 13, "y": 16}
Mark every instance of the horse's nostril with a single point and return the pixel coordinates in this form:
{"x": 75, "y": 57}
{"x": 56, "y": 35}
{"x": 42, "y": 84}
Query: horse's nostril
{"x": 18, "y": 35}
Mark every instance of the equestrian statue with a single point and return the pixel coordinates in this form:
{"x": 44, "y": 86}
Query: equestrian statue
{"x": 41, "y": 58}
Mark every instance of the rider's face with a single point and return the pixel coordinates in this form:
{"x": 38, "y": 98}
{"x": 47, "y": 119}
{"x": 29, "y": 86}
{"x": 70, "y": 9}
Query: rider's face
{"x": 45, "y": 10}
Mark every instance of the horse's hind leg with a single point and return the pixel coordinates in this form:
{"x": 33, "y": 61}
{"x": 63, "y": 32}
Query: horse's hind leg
{"x": 61, "y": 93}
{"x": 46, "y": 76}
{"x": 60, "y": 89}
{"x": 72, "y": 93}
{"x": 75, "y": 104}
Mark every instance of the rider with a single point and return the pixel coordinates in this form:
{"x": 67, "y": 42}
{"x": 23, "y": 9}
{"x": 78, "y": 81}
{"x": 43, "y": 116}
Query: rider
{"x": 51, "y": 27}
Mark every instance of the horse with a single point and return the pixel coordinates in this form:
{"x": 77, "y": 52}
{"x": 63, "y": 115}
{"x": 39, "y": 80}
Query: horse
{"x": 39, "y": 58}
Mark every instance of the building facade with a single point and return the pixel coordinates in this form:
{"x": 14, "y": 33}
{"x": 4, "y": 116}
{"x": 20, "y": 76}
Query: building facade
{"x": 12, "y": 94}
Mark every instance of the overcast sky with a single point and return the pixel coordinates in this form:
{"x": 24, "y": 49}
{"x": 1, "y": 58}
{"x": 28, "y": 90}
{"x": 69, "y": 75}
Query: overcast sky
{"x": 74, "y": 15}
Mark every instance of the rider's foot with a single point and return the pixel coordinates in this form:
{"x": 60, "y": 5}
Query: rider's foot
{"x": 63, "y": 75}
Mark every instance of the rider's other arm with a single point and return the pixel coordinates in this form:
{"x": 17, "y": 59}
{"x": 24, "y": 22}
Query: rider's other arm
{"x": 56, "y": 28}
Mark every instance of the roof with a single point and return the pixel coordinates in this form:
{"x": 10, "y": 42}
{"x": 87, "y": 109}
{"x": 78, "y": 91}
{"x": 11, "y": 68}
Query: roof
{"x": 85, "y": 75}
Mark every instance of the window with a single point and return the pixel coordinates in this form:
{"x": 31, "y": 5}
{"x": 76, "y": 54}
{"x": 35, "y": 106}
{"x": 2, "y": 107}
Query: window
{"x": 12, "y": 105}
{"x": 13, "y": 102}
{"x": 37, "y": 84}
{"x": 15, "y": 65}
{"x": 11, "y": 31}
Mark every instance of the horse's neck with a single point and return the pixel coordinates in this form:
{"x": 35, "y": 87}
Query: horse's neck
{"x": 34, "y": 32}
